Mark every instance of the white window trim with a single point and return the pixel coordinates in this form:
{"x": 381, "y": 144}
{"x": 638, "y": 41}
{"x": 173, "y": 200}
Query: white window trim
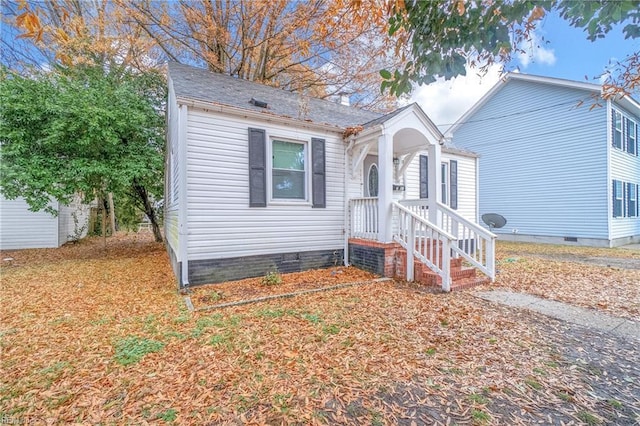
{"x": 307, "y": 174}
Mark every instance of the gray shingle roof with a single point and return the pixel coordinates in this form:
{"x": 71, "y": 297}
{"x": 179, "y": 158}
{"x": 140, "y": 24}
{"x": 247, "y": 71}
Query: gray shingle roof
{"x": 199, "y": 84}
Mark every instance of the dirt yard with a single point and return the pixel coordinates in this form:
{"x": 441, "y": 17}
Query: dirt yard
{"x": 92, "y": 335}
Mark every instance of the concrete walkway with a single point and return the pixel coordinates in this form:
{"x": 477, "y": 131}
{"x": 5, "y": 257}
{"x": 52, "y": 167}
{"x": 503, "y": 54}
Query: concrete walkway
{"x": 565, "y": 312}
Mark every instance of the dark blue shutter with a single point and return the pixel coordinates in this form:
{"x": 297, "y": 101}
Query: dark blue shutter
{"x": 453, "y": 184}
{"x": 318, "y": 181}
{"x": 257, "y": 168}
{"x": 424, "y": 176}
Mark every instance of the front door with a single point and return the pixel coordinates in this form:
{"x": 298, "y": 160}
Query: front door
{"x": 370, "y": 176}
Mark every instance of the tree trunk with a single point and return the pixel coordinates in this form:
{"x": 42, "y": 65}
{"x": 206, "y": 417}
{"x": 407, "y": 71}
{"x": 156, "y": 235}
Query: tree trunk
{"x": 112, "y": 214}
{"x": 104, "y": 223}
{"x": 141, "y": 191}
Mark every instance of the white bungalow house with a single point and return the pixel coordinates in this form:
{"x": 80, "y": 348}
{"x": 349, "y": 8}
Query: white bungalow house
{"x": 21, "y": 228}
{"x": 260, "y": 179}
{"x": 558, "y": 162}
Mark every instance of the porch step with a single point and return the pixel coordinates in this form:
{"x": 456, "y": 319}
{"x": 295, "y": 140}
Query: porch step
{"x": 461, "y": 277}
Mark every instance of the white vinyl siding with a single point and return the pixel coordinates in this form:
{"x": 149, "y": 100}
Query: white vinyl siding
{"x": 21, "y": 228}
{"x": 466, "y": 182}
{"x": 222, "y": 225}
{"x": 542, "y": 160}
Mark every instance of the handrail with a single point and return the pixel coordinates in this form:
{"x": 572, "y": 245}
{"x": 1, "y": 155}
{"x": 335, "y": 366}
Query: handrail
{"x": 422, "y": 239}
{"x": 475, "y": 244}
{"x": 477, "y": 228}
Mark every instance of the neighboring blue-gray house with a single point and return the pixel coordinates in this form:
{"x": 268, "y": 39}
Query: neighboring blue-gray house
{"x": 558, "y": 162}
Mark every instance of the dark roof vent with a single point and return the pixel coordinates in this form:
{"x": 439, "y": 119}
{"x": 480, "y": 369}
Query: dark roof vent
{"x": 258, "y": 103}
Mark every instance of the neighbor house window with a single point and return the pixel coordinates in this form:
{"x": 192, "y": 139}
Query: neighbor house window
{"x": 632, "y": 138}
{"x": 632, "y": 200}
{"x": 445, "y": 182}
{"x": 617, "y": 129}
{"x": 288, "y": 170}
{"x": 618, "y": 199}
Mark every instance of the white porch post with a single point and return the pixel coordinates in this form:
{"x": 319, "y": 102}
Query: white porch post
{"x": 385, "y": 187}
{"x": 435, "y": 182}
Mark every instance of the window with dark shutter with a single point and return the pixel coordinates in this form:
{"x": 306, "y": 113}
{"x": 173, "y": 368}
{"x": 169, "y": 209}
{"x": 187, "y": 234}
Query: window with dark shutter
{"x": 424, "y": 176}
{"x": 618, "y": 199}
{"x": 257, "y": 168}
{"x": 453, "y": 184}
{"x": 318, "y": 183}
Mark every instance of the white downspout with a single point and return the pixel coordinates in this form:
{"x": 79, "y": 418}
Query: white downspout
{"x": 346, "y": 221}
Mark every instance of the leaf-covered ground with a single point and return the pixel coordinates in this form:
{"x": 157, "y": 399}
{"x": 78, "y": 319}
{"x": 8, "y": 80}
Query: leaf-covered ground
{"x": 102, "y": 336}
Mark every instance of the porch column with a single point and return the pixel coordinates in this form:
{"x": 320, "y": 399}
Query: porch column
{"x": 385, "y": 188}
{"x": 434, "y": 182}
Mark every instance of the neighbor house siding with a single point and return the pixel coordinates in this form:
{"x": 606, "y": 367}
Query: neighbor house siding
{"x": 543, "y": 160}
{"x": 625, "y": 167}
{"x": 22, "y": 229}
{"x": 466, "y": 182}
{"x": 222, "y": 225}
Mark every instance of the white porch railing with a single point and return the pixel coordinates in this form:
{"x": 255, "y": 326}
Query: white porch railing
{"x": 425, "y": 241}
{"x": 474, "y": 244}
{"x": 364, "y": 218}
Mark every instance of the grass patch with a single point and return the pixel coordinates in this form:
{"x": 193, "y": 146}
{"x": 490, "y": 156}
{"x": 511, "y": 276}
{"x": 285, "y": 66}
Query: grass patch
{"x": 533, "y": 384}
{"x": 221, "y": 340}
{"x": 331, "y": 329}
{"x": 478, "y": 398}
{"x": 588, "y": 418}
{"x": 272, "y": 278}
{"x": 132, "y": 349}
{"x": 615, "y": 403}
{"x": 480, "y": 416}
{"x": 169, "y": 415}
{"x": 312, "y": 318}
{"x": 430, "y": 352}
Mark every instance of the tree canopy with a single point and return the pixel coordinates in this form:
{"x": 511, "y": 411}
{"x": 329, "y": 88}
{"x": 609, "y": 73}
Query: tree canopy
{"x": 440, "y": 38}
{"x": 82, "y": 131}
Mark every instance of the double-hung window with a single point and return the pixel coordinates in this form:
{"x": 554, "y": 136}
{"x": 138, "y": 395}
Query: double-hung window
{"x": 632, "y": 200}
{"x": 632, "y": 137}
{"x": 617, "y": 129}
{"x": 618, "y": 198}
{"x": 288, "y": 170}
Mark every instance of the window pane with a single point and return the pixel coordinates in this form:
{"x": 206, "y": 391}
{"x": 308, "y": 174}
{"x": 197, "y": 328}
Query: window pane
{"x": 373, "y": 181}
{"x": 288, "y": 184}
{"x": 288, "y": 155}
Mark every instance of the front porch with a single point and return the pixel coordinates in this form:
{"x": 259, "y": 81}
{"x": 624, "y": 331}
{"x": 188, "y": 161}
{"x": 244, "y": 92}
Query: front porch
{"x": 447, "y": 253}
{"x": 388, "y": 229}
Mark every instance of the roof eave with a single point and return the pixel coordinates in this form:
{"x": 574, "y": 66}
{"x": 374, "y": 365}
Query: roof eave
{"x": 258, "y": 115}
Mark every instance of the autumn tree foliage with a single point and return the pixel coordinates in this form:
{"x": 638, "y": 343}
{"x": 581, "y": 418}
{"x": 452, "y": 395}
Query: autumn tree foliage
{"x": 440, "y": 38}
{"x": 321, "y": 48}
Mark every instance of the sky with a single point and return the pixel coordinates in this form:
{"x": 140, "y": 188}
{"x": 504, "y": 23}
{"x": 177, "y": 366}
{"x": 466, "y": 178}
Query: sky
{"x": 564, "y": 53}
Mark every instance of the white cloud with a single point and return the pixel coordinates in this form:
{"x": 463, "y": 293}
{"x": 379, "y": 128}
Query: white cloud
{"x": 534, "y": 51}
{"x": 445, "y": 101}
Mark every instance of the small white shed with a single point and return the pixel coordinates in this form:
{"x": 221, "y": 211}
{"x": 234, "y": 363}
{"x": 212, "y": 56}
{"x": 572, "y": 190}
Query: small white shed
{"x": 21, "y": 228}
